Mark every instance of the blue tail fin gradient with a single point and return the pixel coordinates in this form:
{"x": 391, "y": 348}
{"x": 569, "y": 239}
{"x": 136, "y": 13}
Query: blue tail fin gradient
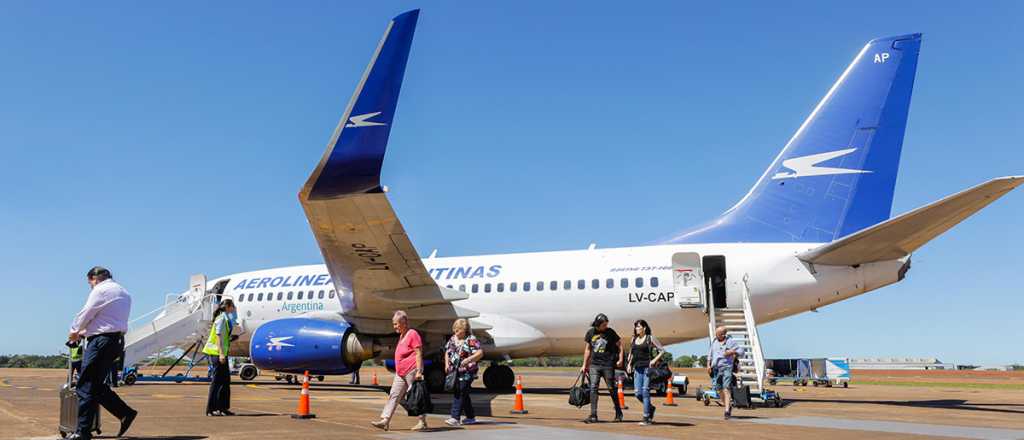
{"x": 353, "y": 159}
{"x": 837, "y": 174}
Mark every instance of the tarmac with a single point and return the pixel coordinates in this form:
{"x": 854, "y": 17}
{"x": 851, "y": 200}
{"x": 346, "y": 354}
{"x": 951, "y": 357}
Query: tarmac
{"x": 882, "y": 405}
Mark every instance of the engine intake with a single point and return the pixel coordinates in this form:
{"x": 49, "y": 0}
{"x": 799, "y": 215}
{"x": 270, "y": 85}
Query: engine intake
{"x": 304, "y": 344}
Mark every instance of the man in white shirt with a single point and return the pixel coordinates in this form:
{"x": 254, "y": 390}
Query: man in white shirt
{"x": 103, "y": 321}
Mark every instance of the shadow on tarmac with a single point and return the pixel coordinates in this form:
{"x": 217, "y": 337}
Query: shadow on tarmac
{"x": 159, "y": 437}
{"x": 959, "y": 404}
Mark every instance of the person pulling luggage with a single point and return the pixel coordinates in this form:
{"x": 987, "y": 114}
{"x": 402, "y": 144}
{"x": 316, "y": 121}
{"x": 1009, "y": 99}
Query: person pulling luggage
{"x": 102, "y": 322}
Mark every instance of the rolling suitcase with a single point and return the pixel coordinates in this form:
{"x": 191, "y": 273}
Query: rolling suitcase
{"x": 69, "y": 408}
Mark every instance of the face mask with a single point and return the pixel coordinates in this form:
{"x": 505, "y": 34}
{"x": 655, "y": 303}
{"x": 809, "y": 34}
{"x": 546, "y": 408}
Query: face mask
{"x": 233, "y": 316}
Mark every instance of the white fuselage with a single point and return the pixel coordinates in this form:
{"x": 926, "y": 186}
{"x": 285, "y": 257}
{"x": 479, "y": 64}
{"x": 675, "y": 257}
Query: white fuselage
{"x": 550, "y": 321}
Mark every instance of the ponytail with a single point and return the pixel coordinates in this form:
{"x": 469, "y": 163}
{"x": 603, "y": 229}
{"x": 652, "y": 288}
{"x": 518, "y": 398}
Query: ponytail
{"x": 224, "y": 304}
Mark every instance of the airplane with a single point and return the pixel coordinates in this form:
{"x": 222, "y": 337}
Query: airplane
{"x": 814, "y": 229}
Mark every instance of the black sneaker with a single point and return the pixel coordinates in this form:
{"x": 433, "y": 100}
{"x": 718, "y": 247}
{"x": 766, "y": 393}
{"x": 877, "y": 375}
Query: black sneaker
{"x": 728, "y": 415}
{"x": 645, "y": 422}
{"x": 591, "y": 419}
{"x": 618, "y": 416}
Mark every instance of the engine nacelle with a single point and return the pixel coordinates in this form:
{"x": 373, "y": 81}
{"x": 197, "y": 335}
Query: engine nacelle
{"x": 302, "y": 344}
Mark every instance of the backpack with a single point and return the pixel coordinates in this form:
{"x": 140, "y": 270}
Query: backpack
{"x": 417, "y": 399}
{"x": 579, "y": 393}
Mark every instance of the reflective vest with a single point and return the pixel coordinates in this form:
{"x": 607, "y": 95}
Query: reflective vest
{"x": 211, "y": 347}
{"x": 76, "y": 353}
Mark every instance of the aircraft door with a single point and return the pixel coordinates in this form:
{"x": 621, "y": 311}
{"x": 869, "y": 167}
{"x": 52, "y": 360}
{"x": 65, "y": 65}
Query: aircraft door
{"x": 688, "y": 280}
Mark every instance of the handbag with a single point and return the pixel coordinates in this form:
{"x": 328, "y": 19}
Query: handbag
{"x": 450, "y": 379}
{"x": 417, "y": 400}
{"x": 579, "y": 393}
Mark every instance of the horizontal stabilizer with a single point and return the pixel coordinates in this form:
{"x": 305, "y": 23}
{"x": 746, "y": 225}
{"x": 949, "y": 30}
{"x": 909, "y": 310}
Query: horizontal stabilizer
{"x": 899, "y": 236}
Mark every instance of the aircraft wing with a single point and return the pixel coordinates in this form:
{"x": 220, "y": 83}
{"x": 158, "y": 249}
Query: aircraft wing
{"x": 363, "y": 243}
{"x": 901, "y": 235}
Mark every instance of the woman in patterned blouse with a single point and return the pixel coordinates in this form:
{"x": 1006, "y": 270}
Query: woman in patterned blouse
{"x": 462, "y": 352}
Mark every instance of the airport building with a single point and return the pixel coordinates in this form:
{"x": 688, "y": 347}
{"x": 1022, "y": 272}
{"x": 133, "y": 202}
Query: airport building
{"x": 899, "y": 363}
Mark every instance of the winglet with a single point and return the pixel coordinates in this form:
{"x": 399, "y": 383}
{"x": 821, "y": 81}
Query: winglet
{"x": 354, "y": 156}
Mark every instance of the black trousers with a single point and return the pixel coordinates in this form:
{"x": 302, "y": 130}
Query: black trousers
{"x": 93, "y": 391}
{"x": 220, "y": 387}
{"x": 608, "y": 373}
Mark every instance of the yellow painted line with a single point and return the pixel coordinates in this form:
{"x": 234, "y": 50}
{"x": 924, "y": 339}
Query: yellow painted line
{"x": 47, "y": 389}
{"x": 166, "y": 396}
{"x": 24, "y": 388}
{"x": 4, "y": 383}
{"x": 252, "y": 386}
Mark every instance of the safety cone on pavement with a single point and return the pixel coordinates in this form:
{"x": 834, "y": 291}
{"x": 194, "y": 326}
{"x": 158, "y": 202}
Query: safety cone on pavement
{"x": 302, "y": 412}
{"x": 622, "y": 397}
{"x": 520, "y": 407}
{"x": 375, "y": 381}
{"x": 669, "y": 397}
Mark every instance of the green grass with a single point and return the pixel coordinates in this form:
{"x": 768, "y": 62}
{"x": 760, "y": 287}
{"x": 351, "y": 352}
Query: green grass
{"x": 971, "y": 385}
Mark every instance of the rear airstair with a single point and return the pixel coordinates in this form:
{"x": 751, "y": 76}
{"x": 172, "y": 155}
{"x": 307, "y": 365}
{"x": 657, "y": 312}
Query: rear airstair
{"x": 180, "y": 322}
{"x": 741, "y": 326}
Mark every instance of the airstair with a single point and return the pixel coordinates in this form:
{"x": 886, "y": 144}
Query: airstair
{"x": 180, "y": 322}
{"x": 741, "y": 326}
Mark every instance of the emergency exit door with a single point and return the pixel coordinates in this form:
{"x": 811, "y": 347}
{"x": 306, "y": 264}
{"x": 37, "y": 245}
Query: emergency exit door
{"x": 688, "y": 279}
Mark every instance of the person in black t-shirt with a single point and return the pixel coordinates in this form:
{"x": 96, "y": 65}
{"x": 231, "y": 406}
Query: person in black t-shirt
{"x": 602, "y": 353}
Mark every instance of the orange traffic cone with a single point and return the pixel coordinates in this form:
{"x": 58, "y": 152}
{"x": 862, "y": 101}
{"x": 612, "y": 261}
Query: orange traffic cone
{"x": 670, "y": 396}
{"x": 622, "y": 397}
{"x": 375, "y": 381}
{"x": 302, "y": 412}
{"x": 520, "y": 407}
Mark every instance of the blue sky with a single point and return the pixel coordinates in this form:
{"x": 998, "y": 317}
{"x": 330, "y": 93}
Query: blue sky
{"x": 164, "y": 140}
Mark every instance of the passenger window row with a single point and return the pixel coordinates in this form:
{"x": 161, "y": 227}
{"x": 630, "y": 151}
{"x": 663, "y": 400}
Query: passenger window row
{"x": 540, "y": 286}
{"x": 269, "y": 296}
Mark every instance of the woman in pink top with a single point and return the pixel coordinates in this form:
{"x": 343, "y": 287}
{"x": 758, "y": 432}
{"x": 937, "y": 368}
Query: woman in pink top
{"x": 408, "y": 368}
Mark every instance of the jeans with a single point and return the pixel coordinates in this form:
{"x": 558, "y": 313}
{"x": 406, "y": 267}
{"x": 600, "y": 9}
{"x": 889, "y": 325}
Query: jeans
{"x": 93, "y": 391}
{"x": 460, "y": 400}
{"x": 219, "y": 398}
{"x": 642, "y": 389}
{"x": 398, "y": 389}
{"x": 608, "y": 373}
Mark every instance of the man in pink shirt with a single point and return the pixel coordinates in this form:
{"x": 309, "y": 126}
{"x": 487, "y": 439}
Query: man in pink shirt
{"x": 408, "y": 368}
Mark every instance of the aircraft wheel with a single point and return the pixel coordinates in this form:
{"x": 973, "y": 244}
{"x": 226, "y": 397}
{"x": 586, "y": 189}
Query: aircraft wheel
{"x": 846, "y": 384}
{"x": 319, "y": 378}
{"x": 179, "y": 378}
{"x": 499, "y": 378}
{"x": 289, "y": 378}
{"x": 248, "y": 372}
{"x": 130, "y": 378}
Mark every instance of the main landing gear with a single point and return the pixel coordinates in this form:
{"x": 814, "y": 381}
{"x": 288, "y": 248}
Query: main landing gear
{"x": 499, "y": 378}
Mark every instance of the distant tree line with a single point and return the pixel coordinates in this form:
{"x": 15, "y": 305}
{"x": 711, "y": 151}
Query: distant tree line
{"x": 34, "y": 361}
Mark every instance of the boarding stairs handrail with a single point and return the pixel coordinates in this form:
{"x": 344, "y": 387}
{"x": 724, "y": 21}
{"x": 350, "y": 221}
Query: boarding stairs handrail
{"x": 755, "y": 341}
{"x": 181, "y": 321}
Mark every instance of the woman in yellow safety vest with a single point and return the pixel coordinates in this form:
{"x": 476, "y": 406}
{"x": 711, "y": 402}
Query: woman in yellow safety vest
{"x": 219, "y": 401}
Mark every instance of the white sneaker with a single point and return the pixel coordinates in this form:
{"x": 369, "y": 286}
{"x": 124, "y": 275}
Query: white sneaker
{"x": 452, "y": 422}
{"x": 468, "y": 421}
{"x": 420, "y": 426}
